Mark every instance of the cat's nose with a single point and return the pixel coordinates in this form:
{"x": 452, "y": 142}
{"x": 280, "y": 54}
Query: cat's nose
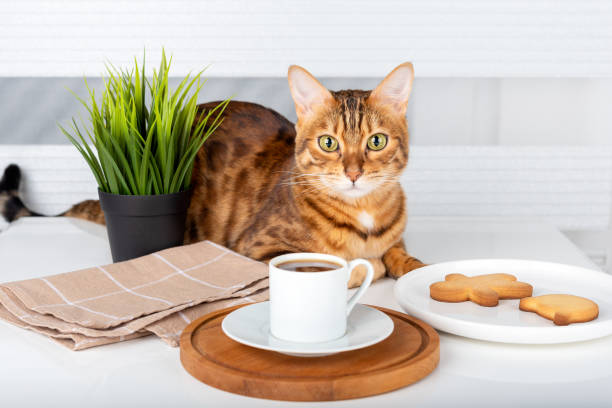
{"x": 353, "y": 175}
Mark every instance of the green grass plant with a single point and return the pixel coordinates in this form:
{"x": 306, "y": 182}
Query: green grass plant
{"x": 144, "y": 137}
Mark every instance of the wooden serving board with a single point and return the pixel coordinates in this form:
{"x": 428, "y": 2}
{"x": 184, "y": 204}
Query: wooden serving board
{"x": 410, "y": 353}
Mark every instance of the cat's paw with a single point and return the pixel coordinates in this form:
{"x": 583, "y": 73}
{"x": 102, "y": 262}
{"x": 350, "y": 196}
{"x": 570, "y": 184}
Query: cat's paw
{"x": 357, "y": 276}
{"x": 400, "y": 263}
{"x": 359, "y": 273}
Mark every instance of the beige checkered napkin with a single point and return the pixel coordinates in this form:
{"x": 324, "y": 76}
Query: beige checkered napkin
{"x": 158, "y": 293}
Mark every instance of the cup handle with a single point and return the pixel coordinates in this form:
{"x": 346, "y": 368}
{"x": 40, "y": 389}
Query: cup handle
{"x": 364, "y": 286}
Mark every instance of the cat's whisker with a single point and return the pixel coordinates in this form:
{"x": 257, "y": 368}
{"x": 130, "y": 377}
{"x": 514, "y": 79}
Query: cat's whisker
{"x": 317, "y": 177}
{"x": 318, "y": 187}
{"x": 296, "y": 180}
{"x": 296, "y": 184}
{"x": 300, "y": 174}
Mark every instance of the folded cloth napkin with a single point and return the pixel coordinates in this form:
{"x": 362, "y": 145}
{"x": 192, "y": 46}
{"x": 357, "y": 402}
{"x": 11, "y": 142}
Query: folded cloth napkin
{"x": 158, "y": 293}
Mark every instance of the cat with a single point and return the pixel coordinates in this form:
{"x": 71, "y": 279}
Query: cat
{"x": 263, "y": 186}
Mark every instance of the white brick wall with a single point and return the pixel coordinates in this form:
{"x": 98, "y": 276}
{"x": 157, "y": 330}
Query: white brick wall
{"x": 475, "y": 38}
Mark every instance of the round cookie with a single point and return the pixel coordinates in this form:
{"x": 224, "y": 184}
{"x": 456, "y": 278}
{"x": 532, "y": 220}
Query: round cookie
{"x": 561, "y": 309}
{"x": 484, "y": 290}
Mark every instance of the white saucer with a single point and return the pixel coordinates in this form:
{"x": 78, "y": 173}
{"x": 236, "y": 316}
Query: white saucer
{"x": 250, "y": 325}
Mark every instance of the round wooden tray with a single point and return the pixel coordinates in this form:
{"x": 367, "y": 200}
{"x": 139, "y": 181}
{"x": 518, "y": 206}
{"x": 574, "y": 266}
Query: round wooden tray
{"x": 410, "y": 353}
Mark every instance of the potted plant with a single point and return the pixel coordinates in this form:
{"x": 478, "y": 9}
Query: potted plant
{"x": 144, "y": 140}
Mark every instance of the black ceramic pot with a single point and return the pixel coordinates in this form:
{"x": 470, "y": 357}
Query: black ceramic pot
{"x": 138, "y": 225}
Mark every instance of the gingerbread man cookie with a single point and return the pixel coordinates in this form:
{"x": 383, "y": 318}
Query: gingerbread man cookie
{"x": 561, "y": 309}
{"x": 485, "y": 290}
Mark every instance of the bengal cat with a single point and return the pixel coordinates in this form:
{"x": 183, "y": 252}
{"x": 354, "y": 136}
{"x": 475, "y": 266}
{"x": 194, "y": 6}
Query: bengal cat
{"x": 263, "y": 186}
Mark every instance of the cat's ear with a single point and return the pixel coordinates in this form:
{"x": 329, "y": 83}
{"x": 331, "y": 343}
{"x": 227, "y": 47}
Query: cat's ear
{"x": 307, "y": 92}
{"x": 394, "y": 90}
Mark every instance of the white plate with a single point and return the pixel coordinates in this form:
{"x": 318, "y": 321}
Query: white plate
{"x": 505, "y": 322}
{"x": 250, "y": 325}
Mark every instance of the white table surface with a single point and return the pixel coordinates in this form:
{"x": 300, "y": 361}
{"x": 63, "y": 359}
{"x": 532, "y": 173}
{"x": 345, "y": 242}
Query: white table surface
{"x": 35, "y": 371}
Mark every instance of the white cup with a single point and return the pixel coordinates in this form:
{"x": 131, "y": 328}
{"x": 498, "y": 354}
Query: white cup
{"x": 311, "y": 307}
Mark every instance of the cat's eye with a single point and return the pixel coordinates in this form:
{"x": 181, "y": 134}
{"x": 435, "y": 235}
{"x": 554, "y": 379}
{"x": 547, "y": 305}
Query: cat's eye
{"x": 328, "y": 143}
{"x": 377, "y": 141}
